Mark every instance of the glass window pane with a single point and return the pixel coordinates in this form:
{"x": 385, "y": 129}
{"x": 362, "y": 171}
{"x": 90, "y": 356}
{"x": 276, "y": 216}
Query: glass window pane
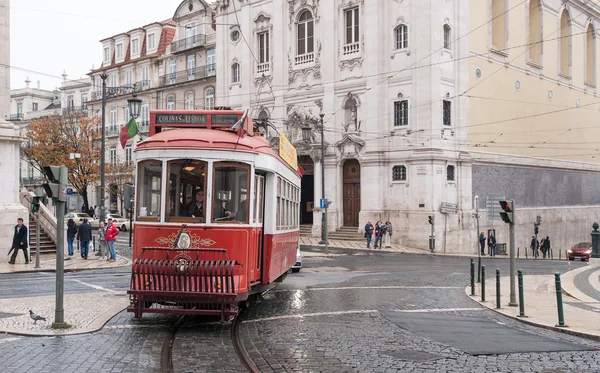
{"x": 301, "y": 38}
{"x": 230, "y": 193}
{"x": 187, "y": 190}
{"x": 149, "y": 189}
{"x": 356, "y": 25}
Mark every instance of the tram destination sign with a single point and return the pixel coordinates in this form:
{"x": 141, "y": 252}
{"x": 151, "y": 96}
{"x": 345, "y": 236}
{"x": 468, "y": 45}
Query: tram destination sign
{"x": 191, "y": 119}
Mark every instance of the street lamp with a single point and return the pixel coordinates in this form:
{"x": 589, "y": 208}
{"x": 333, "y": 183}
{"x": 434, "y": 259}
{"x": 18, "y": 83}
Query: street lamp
{"x": 135, "y": 105}
{"x": 103, "y": 76}
{"x": 306, "y": 132}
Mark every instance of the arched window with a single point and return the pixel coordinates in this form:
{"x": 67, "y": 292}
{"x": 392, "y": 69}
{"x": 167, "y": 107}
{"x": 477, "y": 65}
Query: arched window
{"x": 450, "y": 173}
{"x": 235, "y": 73}
{"x": 447, "y": 36}
{"x": 189, "y": 101}
{"x": 305, "y": 33}
{"x": 590, "y": 54}
{"x": 401, "y": 33}
{"x": 171, "y": 103}
{"x": 499, "y": 24}
{"x": 209, "y": 99}
{"x": 565, "y": 43}
{"x": 535, "y": 32}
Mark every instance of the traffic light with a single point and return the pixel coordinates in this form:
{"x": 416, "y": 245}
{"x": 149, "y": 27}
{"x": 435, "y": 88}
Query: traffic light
{"x": 431, "y": 219}
{"x": 57, "y": 181}
{"x": 508, "y": 215}
{"x": 128, "y": 195}
{"x": 536, "y": 229}
{"x": 35, "y": 204}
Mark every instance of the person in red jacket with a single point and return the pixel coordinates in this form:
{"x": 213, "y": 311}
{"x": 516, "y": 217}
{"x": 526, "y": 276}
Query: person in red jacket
{"x": 111, "y": 236}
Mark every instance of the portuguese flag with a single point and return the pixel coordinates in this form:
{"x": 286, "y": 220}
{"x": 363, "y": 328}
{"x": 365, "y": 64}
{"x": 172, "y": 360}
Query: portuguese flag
{"x": 128, "y": 131}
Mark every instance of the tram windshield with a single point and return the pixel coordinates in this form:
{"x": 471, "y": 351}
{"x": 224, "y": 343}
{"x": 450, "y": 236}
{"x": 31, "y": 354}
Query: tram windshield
{"x": 230, "y": 193}
{"x": 149, "y": 181}
{"x": 187, "y": 190}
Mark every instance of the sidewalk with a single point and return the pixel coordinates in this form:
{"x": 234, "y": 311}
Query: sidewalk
{"x": 75, "y": 263}
{"x": 359, "y": 246}
{"x": 581, "y": 311}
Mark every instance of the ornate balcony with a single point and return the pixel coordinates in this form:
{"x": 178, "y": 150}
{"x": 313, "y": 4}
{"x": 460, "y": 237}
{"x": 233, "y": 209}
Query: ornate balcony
{"x": 187, "y": 75}
{"x": 304, "y": 58}
{"x": 113, "y": 130}
{"x": 13, "y": 117}
{"x": 32, "y": 180}
{"x": 125, "y": 89}
{"x": 188, "y": 43}
{"x": 351, "y": 48}
{"x": 263, "y": 67}
{"x": 75, "y": 109}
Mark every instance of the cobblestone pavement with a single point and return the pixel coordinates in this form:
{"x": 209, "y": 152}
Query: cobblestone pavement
{"x": 583, "y": 282}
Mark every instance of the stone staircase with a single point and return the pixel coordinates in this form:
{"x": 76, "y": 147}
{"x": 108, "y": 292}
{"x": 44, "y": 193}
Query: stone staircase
{"x": 305, "y": 230}
{"x": 47, "y": 246}
{"x": 343, "y": 233}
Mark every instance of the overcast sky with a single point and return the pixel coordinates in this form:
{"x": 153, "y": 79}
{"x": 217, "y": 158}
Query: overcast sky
{"x": 51, "y": 36}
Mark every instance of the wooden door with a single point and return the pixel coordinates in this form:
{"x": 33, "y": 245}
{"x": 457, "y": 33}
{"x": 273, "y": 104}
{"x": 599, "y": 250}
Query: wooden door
{"x": 351, "y": 193}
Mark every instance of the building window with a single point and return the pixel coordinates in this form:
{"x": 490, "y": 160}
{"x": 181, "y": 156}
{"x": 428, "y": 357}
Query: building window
{"x": 450, "y": 173}
{"x": 113, "y": 118}
{"x": 447, "y": 108}
{"x": 401, "y": 113}
{"x": 399, "y": 173}
{"x": 113, "y": 156}
{"x": 19, "y": 108}
{"x": 84, "y": 100}
{"x": 146, "y": 77}
{"x": 210, "y": 62}
{"x": 402, "y": 37}
{"x": 135, "y": 47}
{"x": 535, "y": 32}
{"x": 191, "y": 67}
{"x": 209, "y": 99}
{"x": 446, "y": 36}
{"x": 107, "y": 54}
{"x": 565, "y": 43}
{"x": 145, "y": 116}
{"x": 113, "y": 80}
{"x": 288, "y": 205}
{"x": 172, "y": 71}
{"x": 119, "y": 51}
{"x": 235, "y": 73}
{"x": 128, "y": 155}
{"x": 70, "y": 102}
{"x": 189, "y": 101}
{"x": 171, "y": 103}
{"x": 127, "y": 116}
{"x": 499, "y": 24}
{"x": 151, "y": 42}
{"x": 590, "y": 60}
{"x": 305, "y": 33}
{"x": 190, "y": 34}
{"x": 352, "y": 30}
{"x": 263, "y": 47}
{"x": 34, "y": 106}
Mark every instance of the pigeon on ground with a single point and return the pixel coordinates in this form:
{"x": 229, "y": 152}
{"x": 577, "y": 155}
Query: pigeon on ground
{"x": 35, "y": 317}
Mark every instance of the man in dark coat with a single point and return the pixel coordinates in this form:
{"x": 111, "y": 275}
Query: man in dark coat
{"x": 19, "y": 241}
{"x": 85, "y": 236}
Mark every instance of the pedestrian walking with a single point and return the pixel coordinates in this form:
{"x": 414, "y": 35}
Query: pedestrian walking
{"x": 19, "y": 242}
{"x": 546, "y": 247}
{"x": 492, "y": 245}
{"x": 111, "y": 236}
{"x": 534, "y": 246}
{"x": 482, "y": 243}
{"x": 102, "y": 245}
{"x": 368, "y": 233}
{"x": 379, "y": 232}
{"x": 388, "y": 233}
{"x": 85, "y": 236}
{"x": 71, "y": 233}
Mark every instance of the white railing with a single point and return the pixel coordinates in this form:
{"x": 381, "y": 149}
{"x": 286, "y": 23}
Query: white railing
{"x": 47, "y": 219}
{"x": 351, "y": 48}
{"x": 305, "y": 58}
{"x": 263, "y": 67}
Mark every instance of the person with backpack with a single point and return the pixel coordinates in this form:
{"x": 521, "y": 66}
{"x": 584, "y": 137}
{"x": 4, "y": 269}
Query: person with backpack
{"x": 368, "y": 233}
{"x": 84, "y": 235}
{"x": 111, "y": 236}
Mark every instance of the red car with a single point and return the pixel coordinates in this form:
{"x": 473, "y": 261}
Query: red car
{"x": 582, "y": 250}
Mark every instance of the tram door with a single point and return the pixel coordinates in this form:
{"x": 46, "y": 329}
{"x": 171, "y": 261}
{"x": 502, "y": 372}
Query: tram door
{"x": 258, "y": 218}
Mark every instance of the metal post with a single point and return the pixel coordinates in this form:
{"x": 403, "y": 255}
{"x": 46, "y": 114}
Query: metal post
{"x": 130, "y": 227}
{"x": 59, "y": 313}
{"x": 513, "y": 299}
{"x": 479, "y": 269}
{"x": 103, "y": 76}
{"x": 497, "y": 288}
{"x": 94, "y": 242}
{"x": 37, "y": 239}
{"x": 323, "y": 215}
{"x": 472, "y": 277}
{"x": 595, "y": 241}
{"x": 518, "y": 252}
{"x": 483, "y": 283}
{"x": 559, "y": 305}
{"x": 521, "y": 295}
{"x": 478, "y": 244}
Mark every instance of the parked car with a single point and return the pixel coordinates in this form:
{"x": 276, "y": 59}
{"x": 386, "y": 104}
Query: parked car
{"x": 296, "y": 267}
{"x": 119, "y": 221}
{"x": 582, "y": 250}
{"x": 78, "y": 218}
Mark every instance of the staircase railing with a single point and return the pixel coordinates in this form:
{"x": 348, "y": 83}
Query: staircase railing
{"x": 47, "y": 220}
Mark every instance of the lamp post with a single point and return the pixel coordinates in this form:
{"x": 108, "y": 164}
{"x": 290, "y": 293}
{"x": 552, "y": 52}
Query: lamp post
{"x": 135, "y": 105}
{"x": 103, "y": 76}
{"x": 306, "y": 132}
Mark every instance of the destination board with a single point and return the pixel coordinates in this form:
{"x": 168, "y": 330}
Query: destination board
{"x": 190, "y": 119}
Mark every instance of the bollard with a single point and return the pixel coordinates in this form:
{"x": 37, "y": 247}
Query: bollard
{"x": 478, "y": 269}
{"x": 521, "y": 295}
{"x": 526, "y": 257}
{"x": 559, "y": 254}
{"x": 483, "y": 283}
{"x": 94, "y": 243}
{"x": 498, "y": 288}
{"x": 518, "y": 250}
{"x": 472, "y": 277}
{"x": 559, "y": 305}
{"x": 551, "y": 255}
{"x": 566, "y": 256}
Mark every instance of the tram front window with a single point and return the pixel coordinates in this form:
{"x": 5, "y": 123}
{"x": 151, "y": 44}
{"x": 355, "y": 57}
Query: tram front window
{"x": 230, "y": 193}
{"x": 187, "y": 190}
{"x": 149, "y": 184}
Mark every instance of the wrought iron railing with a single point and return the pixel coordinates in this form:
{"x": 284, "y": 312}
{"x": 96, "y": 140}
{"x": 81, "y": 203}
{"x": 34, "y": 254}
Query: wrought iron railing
{"x": 125, "y": 89}
{"x": 32, "y": 180}
{"x": 188, "y": 43}
{"x": 74, "y": 109}
{"x": 112, "y": 130}
{"x": 187, "y": 75}
{"x": 18, "y": 116}
{"x": 144, "y": 126}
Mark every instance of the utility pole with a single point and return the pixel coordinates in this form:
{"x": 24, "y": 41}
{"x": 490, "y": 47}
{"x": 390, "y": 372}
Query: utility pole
{"x": 432, "y": 237}
{"x": 325, "y": 204}
{"x": 103, "y": 76}
{"x": 477, "y": 245}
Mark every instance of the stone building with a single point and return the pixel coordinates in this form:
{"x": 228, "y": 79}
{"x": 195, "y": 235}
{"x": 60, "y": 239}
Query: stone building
{"x": 426, "y": 104}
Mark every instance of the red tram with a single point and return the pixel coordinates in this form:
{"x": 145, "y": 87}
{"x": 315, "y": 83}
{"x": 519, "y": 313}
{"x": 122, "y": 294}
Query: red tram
{"x": 217, "y": 214}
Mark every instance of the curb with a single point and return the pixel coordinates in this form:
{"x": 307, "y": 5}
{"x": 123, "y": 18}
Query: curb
{"x": 67, "y": 270}
{"x": 319, "y": 249}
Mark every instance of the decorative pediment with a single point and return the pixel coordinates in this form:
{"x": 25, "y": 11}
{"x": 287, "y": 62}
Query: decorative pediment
{"x": 262, "y": 17}
{"x": 296, "y": 6}
{"x": 349, "y": 147}
{"x": 350, "y": 3}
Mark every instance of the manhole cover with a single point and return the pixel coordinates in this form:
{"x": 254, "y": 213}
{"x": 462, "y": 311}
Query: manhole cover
{"x": 412, "y": 355}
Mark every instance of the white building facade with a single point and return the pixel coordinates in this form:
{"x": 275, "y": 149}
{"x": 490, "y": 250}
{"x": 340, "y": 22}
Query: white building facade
{"x": 394, "y": 120}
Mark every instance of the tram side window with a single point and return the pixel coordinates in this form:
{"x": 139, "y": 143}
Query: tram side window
{"x": 230, "y": 193}
{"x": 149, "y": 189}
{"x": 187, "y": 190}
{"x": 259, "y": 188}
{"x": 288, "y": 205}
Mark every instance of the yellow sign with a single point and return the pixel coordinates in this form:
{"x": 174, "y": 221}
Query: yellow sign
{"x": 287, "y": 151}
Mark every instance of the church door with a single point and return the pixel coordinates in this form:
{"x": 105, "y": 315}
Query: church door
{"x": 351, "y": 192}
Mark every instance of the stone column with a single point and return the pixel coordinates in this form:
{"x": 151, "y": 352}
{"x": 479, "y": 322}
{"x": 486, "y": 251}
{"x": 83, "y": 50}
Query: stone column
{"x": 10, "y": 143}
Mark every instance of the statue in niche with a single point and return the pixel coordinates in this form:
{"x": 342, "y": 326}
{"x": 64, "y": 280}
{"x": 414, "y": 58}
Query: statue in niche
{"x": 351, "y": 115}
